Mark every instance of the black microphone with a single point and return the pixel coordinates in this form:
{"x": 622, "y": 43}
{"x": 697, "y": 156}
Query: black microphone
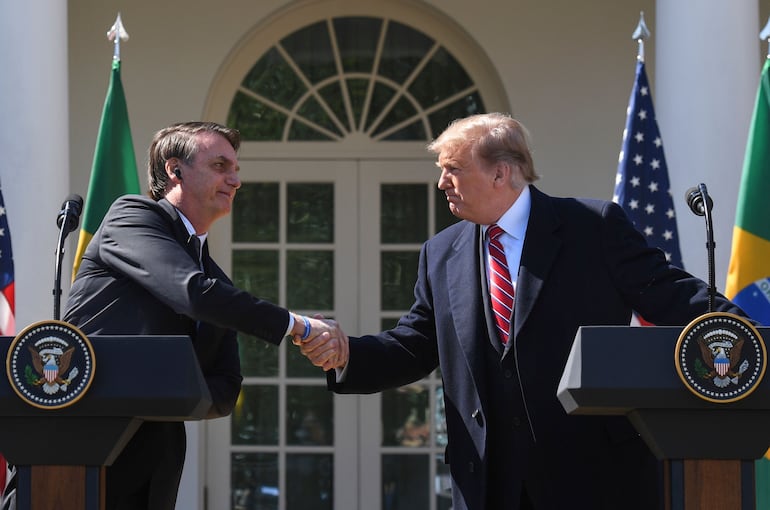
{"x": 694, "y": 197}
{"x": 69, "y": 216}
{"x": 701, "y": 204}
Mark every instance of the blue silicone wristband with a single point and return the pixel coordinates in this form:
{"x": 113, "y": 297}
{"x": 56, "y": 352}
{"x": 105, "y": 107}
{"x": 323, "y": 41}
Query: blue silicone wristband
{"x": 307, "y": 328}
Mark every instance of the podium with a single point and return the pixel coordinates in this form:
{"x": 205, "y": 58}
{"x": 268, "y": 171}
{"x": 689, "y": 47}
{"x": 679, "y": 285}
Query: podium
{"x": 709, "y": 448}
{"x": 60, "y": 453}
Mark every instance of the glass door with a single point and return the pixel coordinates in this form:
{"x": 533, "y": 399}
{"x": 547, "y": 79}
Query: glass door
{"x": 288, "y": 444}
{"x": 403, "y": 432}
{"x": 341, "y": 238}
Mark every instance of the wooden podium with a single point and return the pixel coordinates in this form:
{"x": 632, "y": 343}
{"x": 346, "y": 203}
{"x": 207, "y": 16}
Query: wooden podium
{"x": 709, "y": 448}
{"x": 60, "y": 453}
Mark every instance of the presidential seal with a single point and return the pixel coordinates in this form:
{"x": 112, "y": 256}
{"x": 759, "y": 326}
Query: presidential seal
{"x": 720, "y": 357}
{"x": 50, "y": 364}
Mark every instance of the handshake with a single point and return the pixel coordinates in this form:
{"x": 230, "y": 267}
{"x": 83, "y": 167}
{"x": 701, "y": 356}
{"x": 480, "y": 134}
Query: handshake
{"x": 321, "y": 340}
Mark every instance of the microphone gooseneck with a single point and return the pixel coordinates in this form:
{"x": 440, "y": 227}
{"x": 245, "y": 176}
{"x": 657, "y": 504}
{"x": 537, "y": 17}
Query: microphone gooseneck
{"x": 67, "y": 220}
{"x": 700, "y": 203}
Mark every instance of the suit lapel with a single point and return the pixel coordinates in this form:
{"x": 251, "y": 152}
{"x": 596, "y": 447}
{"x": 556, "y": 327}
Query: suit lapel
{"x": 465, "y": 295}
{"x": 180, "y": 233}
{"x": 541, "y": 246}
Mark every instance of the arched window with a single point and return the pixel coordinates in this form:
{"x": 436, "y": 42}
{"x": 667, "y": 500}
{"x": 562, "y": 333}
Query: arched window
{"x": 345, "y": 75}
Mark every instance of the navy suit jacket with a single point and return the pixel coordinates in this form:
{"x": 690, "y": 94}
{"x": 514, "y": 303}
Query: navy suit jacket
{"x": 582, "y": 263}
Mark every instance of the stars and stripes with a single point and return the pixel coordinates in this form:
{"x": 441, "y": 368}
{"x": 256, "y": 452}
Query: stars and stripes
{"x": 7, "y": 287}
{"x": 641, "y": 186}
{"x": 7, "y": 328}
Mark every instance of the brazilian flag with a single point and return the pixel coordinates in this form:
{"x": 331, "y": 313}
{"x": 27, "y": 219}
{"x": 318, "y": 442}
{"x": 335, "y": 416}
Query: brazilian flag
{"x": 748, "y": 277}
{"x": 114, "y": 168}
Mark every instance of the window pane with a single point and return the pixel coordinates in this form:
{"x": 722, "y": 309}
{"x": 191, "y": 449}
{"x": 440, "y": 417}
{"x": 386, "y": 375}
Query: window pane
{"x": 309, "y": 412}
{"x": 255, "y": 417}
{"x": 468, "y": 105}
{"x": 299, "y": 131}
{"x": 255, "y": 213}
{"x": 255, "y": 120}
{"x": 298, "y": 365}
{"x": 443, "y": 485}
{"x": 312, "y": 111}
{"x": 404, "y": 48}
{"x": 311, "y": 50}
{"x": 405, "y": 484}
{"x": 403, "y": 213}
{"x": 332, "y": 95}
{"x": 309, "y": 482}
{"x": 258, "y": 358}
{"x": 256, "y": 272}
{"x": 357, "y": 91}
{"x": 401, "y": 111}
{"x": 310, "y": 279}
{"x": 380, "y": 97}
{"x": 440, "y": 419}
{"x": 310, "y": 213}
{"x": 414, "y": 131}
{"x": 357, "y": 42}
{"x": 398, "y": 274}
{"x": 406, "y": 416}
{"x": 273, "y": 78}
{"x": 442, "y": 77}
{"x": 254, "y": 481}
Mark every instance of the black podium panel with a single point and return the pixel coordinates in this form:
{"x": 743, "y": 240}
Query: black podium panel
{"x": 631, "y": 371}
{"x": 136, "y": 378}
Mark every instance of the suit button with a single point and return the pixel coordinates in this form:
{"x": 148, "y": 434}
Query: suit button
{"x": 471, "y": 467}
{"x": 508, "y": 373}
{"x": 516, "y": 421}
{"x": 476, "y": 415}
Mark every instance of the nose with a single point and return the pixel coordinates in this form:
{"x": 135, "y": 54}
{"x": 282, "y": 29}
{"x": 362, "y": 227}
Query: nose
{"x": 443, "y": 181}
{"x": 235, "y": 180}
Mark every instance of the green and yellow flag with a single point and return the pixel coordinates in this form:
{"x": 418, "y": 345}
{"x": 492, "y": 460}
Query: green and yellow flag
{"x": 114, "y": 169}
{"x": 748, "y": 276}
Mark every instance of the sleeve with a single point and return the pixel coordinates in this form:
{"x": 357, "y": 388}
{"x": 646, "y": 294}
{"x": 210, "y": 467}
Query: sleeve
{"x": 662, "y": 293}
{"x": 398, "y": 356}
{"x": 137, "y": 241}
{"x": 223, "y": 377}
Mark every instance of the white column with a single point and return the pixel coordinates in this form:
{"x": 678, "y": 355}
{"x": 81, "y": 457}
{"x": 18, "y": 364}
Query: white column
{"x": 34, "y": 143}
{"x": 707, "y": 65}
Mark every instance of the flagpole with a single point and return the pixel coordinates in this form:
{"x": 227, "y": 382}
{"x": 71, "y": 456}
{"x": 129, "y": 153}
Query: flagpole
{"x": 116, "y": 33}
{"x": 765, "y": 36}
{"x": 640, "y": 34}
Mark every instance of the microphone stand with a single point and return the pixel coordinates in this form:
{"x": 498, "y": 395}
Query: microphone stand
{"x": 57, "y": 270}
{"x": 709, "y": 245}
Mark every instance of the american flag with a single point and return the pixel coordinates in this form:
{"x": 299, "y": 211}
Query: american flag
{"x": 7, "y": 328}
{"x": 641, "y": 186}
{"x": 7, "y": 305}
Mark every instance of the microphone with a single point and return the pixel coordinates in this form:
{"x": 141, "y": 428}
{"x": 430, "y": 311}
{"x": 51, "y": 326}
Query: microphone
{"x": 694, "y": 197}
{"x": 700, "y": 203}
{"x": 69, "y": 216}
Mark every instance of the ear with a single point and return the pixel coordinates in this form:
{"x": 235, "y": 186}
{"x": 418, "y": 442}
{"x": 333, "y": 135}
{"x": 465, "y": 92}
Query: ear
{"x": 170, "y": 165}
{"x": 502, "y": 173}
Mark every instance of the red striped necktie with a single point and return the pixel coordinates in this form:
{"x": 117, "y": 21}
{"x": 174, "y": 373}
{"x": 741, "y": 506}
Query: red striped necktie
{"x": 500, "y": 285}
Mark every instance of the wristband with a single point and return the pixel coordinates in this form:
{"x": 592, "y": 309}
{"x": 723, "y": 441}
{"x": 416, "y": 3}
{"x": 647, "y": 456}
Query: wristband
{"x": 307, "y": 328}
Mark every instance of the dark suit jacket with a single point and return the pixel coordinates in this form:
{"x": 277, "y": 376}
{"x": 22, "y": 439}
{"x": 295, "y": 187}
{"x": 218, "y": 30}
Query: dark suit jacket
{"x": 582, "y": 263}
{"x": 140, "y": 275}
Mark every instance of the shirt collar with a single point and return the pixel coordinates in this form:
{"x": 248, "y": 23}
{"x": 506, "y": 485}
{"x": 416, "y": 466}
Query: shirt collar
{"x": 190, "y": 229}
{"x": 514, "y": 220}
